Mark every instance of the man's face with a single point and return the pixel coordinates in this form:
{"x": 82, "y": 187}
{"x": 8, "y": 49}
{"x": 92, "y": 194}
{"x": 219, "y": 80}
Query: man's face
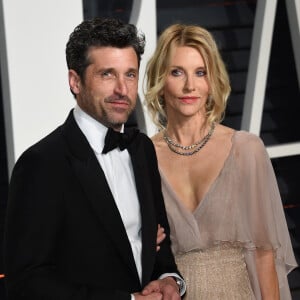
{"x": 109, "y": 90}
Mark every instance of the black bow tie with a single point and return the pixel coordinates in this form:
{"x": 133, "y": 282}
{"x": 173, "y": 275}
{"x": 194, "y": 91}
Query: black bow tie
{"x": 114, "y": 139}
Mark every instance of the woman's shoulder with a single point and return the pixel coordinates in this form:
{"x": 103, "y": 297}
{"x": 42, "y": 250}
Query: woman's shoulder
{"x": 158, "y": 139}
{"x": 242, "y": 137}
{"x": 248, "y": 143}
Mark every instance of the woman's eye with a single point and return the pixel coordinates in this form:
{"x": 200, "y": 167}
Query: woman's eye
{"x": 201, "y": 73}
{"x": 176, "y": 72}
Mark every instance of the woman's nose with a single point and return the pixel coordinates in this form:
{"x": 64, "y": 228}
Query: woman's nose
{"x": 189, "y": 84}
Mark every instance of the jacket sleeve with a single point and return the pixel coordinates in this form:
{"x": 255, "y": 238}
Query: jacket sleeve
{"x": 34, "y": 219}
{"x": 165, "y": 262}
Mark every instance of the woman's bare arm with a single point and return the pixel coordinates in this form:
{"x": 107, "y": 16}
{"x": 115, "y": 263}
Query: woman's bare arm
{"x": 267, "y": 275}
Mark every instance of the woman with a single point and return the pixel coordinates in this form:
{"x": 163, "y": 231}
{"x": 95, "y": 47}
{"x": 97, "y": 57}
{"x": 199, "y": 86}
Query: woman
{"x": 228, "y": 230}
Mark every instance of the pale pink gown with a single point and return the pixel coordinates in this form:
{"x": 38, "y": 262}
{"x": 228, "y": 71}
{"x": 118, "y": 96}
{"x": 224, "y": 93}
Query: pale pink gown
{"x": 215, "y": 245}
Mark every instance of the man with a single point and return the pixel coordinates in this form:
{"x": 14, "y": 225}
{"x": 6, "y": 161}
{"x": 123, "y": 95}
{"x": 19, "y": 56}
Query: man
{"x": 82, "y": 215}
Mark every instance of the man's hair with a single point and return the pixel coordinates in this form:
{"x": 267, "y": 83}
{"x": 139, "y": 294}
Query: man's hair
{"x": 101, "y": 32}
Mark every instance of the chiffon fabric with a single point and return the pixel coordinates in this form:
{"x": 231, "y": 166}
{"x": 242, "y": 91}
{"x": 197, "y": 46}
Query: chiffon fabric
{"x": 241, "y": 212}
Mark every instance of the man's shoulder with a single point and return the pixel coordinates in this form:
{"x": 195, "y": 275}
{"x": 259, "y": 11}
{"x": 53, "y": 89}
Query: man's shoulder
{"x": 54, "y": 140}
{"x": 50, "y": 142}
{"x": 145, "y": 140}
{"x": 46, "y": 150}
{"x": 144, "y": 136}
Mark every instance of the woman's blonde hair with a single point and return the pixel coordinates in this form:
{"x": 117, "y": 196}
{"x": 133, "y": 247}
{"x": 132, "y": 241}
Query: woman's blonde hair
{"x": 157, "y": 68}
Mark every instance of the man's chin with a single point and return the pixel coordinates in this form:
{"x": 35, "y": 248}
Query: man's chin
{"x": 118, "y": 119}
{"x": 117, "y": 123}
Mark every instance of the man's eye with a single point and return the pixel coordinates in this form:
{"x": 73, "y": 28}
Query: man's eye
{"x": 106, "y": 74}
{"x": 131, "y": 75}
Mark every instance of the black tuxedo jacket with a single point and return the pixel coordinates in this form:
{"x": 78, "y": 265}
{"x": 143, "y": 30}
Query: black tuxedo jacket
{"x": 64, "y": 235}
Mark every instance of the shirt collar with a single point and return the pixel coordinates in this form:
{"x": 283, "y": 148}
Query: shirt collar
{"x": 93, "y": 130}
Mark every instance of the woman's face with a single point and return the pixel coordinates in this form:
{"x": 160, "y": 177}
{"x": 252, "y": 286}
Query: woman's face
{"x": 186, "y": 87}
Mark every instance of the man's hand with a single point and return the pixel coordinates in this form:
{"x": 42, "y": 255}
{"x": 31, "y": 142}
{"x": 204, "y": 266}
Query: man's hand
{"x": 152, "y": 296}
{"x": 160, "y": 236}
{"x": 166, "y": 286}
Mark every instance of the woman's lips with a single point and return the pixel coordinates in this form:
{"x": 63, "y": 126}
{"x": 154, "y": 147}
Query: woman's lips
{"x": 188, "y": 100}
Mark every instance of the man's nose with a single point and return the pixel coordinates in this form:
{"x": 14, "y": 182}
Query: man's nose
{"x": 121, "y": 86}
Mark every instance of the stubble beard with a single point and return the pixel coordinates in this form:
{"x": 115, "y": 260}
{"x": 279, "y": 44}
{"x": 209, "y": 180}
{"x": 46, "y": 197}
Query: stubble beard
{"x": 109, "y": 120}
{"x": 110, "y": 115}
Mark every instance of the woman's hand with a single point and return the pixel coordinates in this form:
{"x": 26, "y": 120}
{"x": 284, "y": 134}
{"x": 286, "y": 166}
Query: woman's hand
{"x": 160, "y": 236}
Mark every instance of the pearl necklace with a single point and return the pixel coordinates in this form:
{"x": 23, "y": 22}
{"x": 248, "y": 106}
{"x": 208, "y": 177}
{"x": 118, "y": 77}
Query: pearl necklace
{"x": 198, "y": 145}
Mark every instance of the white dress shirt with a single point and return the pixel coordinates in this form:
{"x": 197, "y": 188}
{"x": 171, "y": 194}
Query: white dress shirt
{"x": 117, "y": 167}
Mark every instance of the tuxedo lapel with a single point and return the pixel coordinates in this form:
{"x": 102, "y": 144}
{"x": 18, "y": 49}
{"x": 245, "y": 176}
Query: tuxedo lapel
{"x": 92, "y": 179}
{"x": 145, "y": 195}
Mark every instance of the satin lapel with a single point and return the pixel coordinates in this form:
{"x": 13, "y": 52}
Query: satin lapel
{"x": 93, "y": 181}
{"x": 145, "y": 195}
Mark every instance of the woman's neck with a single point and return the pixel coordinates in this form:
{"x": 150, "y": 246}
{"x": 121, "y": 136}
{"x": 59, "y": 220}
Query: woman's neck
{"x": 187, "y": 132}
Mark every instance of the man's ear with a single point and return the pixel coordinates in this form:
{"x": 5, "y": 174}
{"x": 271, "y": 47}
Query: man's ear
{"x": 74, "y": 82}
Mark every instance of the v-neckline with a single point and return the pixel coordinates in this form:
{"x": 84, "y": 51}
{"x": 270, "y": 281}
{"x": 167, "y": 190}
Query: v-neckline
{"x": 212, "y": 185}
